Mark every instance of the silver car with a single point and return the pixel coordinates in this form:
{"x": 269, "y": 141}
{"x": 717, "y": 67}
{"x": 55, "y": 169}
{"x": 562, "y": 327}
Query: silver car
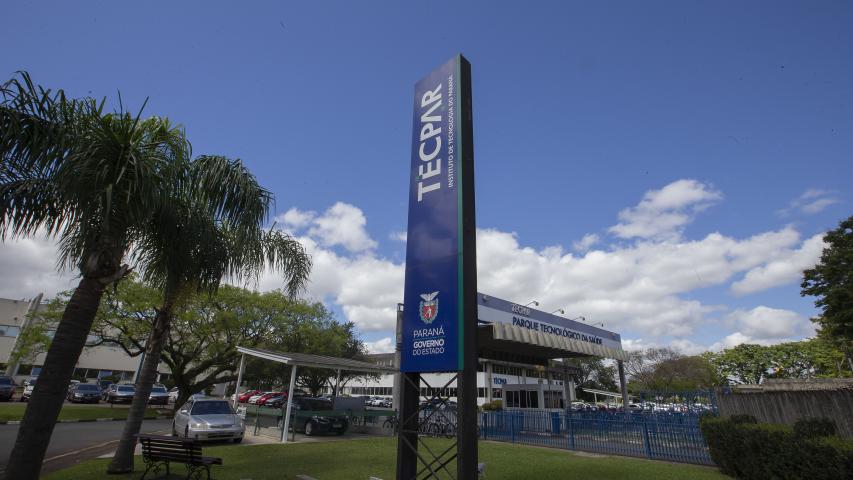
{"x": 208, "y": 419}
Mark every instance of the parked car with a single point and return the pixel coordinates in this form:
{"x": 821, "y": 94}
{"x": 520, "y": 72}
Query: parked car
{"x": 120, "y": 393}
{"x": 267, "y": 396}
{"x": 207, "y": 418}
{"x": 7, "y": 388}
{"x": 173, "y": 394}
{"x": 315, "y": 415}
{"x": 159, "y": 395}
{"x": 84, "y": 393}
{"x": 254, "y": 398}
{"x": 245, "y": 396}
{"x": 29, "y": 385}
{"x": 276, "y": 401}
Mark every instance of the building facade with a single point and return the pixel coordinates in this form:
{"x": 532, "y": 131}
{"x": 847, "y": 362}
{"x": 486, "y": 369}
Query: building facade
{"x": 492, "y": 379}
{"x": 95, "y": 363}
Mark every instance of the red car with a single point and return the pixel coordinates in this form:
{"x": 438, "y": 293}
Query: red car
{"x": 244, "y": 397}
{"x": 263, "y": 400}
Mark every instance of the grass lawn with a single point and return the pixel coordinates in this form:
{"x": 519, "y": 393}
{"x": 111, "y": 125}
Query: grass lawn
{"x": 360, "y": 459}
{"x": 15, "y": 411}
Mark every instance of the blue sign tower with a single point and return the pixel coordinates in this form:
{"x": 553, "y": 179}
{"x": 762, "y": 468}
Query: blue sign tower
{"x": 438, "y": 332}
{"x": 434, "y": 299}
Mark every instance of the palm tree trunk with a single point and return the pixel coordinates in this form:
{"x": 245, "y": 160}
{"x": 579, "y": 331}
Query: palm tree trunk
{"x": 122, "y": 462}
{"x": 52, "y": 385}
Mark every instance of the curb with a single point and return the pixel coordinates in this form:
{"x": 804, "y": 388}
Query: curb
{"x": 74, "y": 420}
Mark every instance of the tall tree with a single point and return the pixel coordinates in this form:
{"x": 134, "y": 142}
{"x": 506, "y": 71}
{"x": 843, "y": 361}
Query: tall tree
{"x": 641, "y": 366}
{"x": 683, "y": 374}
{"x": 831, "y": 281}
{"x": 211, "y": 228}
{"x": 91, "y": 179}
{"x": 305, "y": 328}
{"x": 201, "y": 348}
{"x": 743, "y": 364}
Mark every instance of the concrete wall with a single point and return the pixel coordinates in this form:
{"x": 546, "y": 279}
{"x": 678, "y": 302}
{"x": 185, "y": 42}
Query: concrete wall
{"x": 779, "y": 406}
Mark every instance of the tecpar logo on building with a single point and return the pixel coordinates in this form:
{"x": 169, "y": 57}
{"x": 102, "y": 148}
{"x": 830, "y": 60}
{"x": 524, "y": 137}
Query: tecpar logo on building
{"x": 429, "y": 307}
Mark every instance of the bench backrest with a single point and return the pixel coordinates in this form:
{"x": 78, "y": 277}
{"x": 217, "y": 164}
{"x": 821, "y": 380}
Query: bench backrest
{"x": 170, "y": 448}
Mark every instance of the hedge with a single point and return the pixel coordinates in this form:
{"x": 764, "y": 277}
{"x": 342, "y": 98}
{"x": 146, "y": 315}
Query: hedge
{"x": 752, "y": 451}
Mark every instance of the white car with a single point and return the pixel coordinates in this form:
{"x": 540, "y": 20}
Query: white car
{"x": 29, "y": 385}
{"x": 254, "y": 398}
{"x": 173, "y": 394}
{"x": 206, "y": 418}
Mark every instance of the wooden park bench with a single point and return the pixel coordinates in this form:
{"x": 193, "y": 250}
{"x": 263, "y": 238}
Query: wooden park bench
{"x": 158, "y": 451}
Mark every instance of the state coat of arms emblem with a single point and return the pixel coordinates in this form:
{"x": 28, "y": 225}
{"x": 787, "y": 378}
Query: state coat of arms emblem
{"x": 429, "y": 307}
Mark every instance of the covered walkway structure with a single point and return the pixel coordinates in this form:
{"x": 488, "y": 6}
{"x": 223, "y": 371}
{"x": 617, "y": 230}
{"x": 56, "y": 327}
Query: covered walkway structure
{"x": 296, "y": 360}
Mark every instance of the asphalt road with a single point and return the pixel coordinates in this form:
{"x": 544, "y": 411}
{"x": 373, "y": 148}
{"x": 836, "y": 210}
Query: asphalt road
{"x": 73, "y": 442}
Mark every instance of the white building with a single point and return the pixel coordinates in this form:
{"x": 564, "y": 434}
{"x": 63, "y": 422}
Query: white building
{"x": 490, "y": 374}
{"x": 94, "y": 363}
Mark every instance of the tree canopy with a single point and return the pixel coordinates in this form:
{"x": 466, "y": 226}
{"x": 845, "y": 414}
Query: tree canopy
{"x": 831, "y": 282}
{"x": 201, "y": 348}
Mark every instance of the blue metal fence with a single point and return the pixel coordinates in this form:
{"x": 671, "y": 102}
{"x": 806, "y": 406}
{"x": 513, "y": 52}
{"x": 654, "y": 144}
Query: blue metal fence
{"x": 659, "y": 436}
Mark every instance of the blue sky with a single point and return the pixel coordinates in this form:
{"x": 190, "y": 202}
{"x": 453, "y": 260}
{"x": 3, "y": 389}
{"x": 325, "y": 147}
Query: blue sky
{"x": 734, "y": 121}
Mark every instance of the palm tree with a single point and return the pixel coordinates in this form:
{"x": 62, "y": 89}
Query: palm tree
{"x": 211, "y": 229}
{"x": 92, "y": 180}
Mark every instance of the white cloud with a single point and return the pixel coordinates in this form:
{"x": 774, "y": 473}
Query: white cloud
{"x": 786, "y": 268}
{"x": 585, "y": 243}
{"x": 687, "y": 347}
{"x": 639, "y": 288}
{"x": 764, "y": 326}
{"x": 769, "y": 323}
{"x": 663, "y": 214}
{"x": 366, "y": 287}
{"x": 384, "y": 345}
{"x": 399, "y": 236}
{"x": 28, "y": 268}
{"x": 296, "y": 219}
{"x": 812, "y": 201}
{"x": 635, "y": 344}
{"x": 680, "y": 345}
{"x": 341, "y": 224}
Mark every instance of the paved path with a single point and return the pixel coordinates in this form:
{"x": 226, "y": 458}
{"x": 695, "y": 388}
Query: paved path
{"x": 74, "y": 442}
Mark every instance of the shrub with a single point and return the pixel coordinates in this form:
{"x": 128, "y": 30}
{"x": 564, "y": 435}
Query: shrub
{"x": 743, "y": 419}
{"x": 493, "y": 405}
{"x": 814, "y": 428}
{"x": 764, "y": 451}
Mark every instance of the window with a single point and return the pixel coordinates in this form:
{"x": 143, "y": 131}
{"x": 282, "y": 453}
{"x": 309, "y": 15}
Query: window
{"x": 35, "y": 371}
{"x": 9, "y": 331}
{"x": 497, "y": 393}
{"x": 512, "y": 399}
{"x": 533, "y": 400}
{"x": 211, "y": 408}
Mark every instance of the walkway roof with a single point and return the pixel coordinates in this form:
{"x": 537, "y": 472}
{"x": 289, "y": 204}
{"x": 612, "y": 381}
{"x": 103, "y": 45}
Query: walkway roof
{"x": 316, "y": 361}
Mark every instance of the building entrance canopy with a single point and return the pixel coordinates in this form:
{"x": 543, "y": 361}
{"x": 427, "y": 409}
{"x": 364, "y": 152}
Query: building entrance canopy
{"x": 498, "y": 339}
{"x": 510, "y": 328}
